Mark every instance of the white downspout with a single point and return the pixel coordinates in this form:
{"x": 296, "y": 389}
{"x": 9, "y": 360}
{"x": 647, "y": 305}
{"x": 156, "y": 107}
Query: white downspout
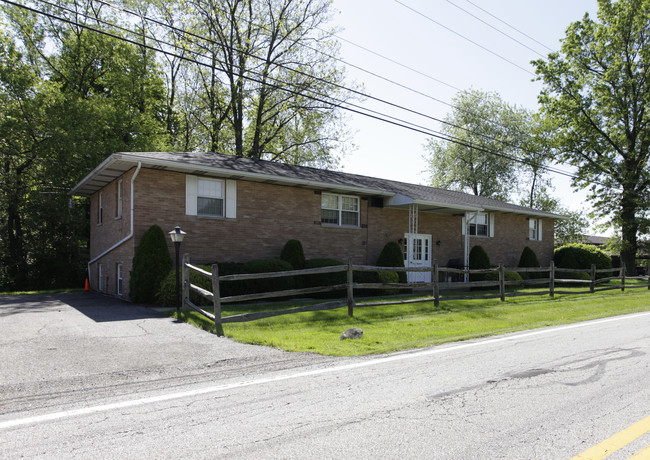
{"x": 130, "y": 235}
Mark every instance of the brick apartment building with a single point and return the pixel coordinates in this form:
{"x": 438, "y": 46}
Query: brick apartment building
{"x": 239, "y": 209}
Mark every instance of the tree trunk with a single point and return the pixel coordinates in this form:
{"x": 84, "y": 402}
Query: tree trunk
{"x": 629, "y": 230}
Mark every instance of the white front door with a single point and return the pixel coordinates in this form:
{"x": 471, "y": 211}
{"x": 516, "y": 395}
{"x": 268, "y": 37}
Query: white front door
{"x": 417, "y": 253}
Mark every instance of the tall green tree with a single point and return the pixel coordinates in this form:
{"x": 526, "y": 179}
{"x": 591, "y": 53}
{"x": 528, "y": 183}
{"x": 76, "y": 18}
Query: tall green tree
{"x": 488, "y": 140}
{"x": 70, "y": 97}
{"x": 596, "y": 95}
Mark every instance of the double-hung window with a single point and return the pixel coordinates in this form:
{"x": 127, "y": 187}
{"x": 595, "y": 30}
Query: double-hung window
{"x": 209, "y": 200}
{"x": 535, "y": 229}
{"x": 479, "y": 224}
{"x": 341, "y": 210}
{"x": 206, "y": 197}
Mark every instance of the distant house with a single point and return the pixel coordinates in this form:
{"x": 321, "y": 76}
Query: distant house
{"x": 239, "y": 209}
{"x": 598, "y": 241}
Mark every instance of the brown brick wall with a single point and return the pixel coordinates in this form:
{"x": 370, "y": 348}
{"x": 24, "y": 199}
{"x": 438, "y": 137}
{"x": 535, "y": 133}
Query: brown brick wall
{"x": 510, "y": 238}
{"x": 269, "y": 215}
{"x": 112, "y": 229}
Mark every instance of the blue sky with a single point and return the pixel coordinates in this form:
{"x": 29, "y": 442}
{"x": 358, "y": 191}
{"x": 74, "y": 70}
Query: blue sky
{"x": 392, "y": 29}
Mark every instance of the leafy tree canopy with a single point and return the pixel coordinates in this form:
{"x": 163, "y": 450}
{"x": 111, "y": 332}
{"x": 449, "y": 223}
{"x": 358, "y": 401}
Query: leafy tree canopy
{"x": 494, "y": 148}
{"x": 596, "y": 93}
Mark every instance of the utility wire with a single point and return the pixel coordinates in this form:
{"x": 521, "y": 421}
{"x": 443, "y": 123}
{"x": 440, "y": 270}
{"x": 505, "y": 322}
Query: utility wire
{"x": 350, "y": 90}
{"x": 494, "y": 53}
{"x": 509, "y": 25}
{"x": 434, "y": 133}
{"x": 496, "y": 29}
{"x": 332, "y": 102}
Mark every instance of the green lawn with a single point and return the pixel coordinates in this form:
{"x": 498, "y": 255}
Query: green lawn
{"x": 401, "y": 327}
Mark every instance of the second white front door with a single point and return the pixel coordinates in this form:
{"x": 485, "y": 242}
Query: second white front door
{"x": 417, "y": 253}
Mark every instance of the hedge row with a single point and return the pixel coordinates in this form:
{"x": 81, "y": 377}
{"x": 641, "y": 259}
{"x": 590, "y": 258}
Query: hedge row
{"x": 292, "y": 254}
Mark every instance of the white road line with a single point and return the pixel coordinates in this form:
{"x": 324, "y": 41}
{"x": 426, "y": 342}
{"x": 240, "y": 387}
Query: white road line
{"x": 345, "y": 367}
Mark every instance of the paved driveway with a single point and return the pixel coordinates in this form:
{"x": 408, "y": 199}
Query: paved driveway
{"x": 59, "y": 347}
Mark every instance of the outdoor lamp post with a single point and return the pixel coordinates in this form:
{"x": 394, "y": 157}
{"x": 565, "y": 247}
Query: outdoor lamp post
{"x": 177, "y": 236}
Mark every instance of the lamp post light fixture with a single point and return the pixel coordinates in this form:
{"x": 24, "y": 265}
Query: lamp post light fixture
{"x": 177, "y": 236}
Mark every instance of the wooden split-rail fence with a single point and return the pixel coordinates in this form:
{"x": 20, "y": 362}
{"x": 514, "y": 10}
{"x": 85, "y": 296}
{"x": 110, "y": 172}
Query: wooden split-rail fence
{"x": 434, "y": 286}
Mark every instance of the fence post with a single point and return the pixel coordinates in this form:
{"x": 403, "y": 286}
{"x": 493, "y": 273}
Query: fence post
{"x": 502, "y": 283}
{"x": 623, "y": 277}
{"x": 350, "y": 288}
{"x": 592, "y": 277}
{"x": 551, "y": 282}
{"x": 436, "y": 287}
{"x": 216, "y": 300}
{"x": 186, "y": 282}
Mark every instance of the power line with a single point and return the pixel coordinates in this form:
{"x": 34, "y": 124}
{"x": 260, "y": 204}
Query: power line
{"x": 496, "y": 29}
{"x": 463, "y": 37}
{"x": 332, "y": 102}
{"x": 397, "y": 63}
{"x": 509, "y": 25}
{"x": 364, "y": 95}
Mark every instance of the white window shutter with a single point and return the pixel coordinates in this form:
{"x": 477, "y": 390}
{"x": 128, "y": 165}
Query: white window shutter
{"x": 231, "y": 199}
{"x": 491, "y": 225}
{"x": 191, "y": 191}
{"x": 539, "y": 229}
{"x": 463, "y": 226}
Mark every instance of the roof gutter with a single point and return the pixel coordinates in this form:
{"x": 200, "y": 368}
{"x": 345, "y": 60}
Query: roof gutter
{"x": 130, "y": 235}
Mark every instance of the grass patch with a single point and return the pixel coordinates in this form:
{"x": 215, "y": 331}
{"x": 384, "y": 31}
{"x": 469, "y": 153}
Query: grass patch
{"x": 393, "y": 328}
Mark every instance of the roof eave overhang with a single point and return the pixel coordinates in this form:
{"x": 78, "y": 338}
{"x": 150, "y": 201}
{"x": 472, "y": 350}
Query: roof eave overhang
{"x": 528, "y": 212}
{"x": 119, "y": 163}
{"x": 403, "y": 201}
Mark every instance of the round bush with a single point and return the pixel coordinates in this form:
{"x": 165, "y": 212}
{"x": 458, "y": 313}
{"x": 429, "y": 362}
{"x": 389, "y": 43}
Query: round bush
{"x": 392, "y": 256}
{"x": 529, "y": 259}
{"x": 581, "y": 256}
{"x": 151, "y": 263}
{"x": 479, "y": 260}
{"x": 325, "y": 279}
{"x": 293, "y": 253}
{"x": 230, "y": 288}
{"x": 512, "y": 276}
{"x": 166, "y": 296}
{"x": 389, "y": 277}
{"x": 269, "y": 284}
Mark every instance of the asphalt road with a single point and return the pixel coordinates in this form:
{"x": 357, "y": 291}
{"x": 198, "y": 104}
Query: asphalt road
{"x": 75, "y": 384}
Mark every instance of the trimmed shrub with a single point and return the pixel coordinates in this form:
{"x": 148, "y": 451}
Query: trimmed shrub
{"x": 293, "y": 253}
{"x": 151, "y": 264}
{"x": 392, "y": 256}
{"x": 528, "y": 259}
{"x": 512, "y": 276}
{"x": 494, "y": 276}
{"x": 268, "y": 284}
{"x": 389, "y": 277}
{"x": 230, "y": 288}
{"x": 479, "y": 260}
{"x": 325, "y": 279}
{"x": 166, "y": 296}
{"x": 581, "y": 256}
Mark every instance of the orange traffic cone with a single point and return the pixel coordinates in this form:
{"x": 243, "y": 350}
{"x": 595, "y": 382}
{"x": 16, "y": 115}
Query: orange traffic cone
{"x": 87, "y": 286}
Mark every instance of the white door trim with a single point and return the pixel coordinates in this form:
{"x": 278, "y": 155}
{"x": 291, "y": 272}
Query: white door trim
{"x": 418, "y": 253}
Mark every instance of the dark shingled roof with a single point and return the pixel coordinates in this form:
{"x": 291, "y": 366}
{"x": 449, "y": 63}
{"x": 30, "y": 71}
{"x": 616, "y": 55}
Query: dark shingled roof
{"x": 396, "y": 194}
